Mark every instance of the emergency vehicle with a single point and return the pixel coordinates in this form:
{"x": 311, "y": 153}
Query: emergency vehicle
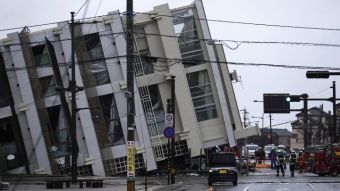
{"x": 327, "y": 161}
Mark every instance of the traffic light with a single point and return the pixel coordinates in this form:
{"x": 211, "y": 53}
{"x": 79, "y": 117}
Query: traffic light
{"x": 293, "y": 98}
{"x": 317, "y": 74}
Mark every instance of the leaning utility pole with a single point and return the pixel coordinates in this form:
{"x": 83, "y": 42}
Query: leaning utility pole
{"x": 130, "y": 97}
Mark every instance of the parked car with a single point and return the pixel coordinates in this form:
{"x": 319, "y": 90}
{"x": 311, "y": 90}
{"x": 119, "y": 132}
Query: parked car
{"x": 222, "y": 168}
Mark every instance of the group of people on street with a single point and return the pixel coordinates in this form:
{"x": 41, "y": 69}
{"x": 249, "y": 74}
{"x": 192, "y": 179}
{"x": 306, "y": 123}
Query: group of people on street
{"x": 278, "y": 162}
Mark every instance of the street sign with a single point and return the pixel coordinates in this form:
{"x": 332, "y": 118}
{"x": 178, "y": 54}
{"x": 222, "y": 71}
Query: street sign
{"x": 131, "y": 160}
{"x": 169, "y": 120}
{"x": 169, "y": 132}
{"x": 276, "y": 103}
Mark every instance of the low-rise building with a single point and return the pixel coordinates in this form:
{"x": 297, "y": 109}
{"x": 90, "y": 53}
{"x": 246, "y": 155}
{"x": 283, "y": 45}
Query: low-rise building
{"x": 316, "y": 129}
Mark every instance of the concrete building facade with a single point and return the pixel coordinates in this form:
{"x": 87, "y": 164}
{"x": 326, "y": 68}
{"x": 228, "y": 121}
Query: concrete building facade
{"x": 34, "y": 127}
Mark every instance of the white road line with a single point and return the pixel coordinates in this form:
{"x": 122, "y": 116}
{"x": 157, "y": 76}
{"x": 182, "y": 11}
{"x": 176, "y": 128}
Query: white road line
{"x": 246, "y": 188}
{"x": 312, "y": 187}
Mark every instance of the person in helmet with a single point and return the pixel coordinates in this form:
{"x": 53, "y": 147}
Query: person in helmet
{"x": 292, "y": 163}
{"x": 280, "y": 160}
{"x": 272, "y": 156}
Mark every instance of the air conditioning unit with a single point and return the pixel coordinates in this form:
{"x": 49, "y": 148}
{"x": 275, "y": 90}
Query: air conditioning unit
{"x": 234, "y": 77}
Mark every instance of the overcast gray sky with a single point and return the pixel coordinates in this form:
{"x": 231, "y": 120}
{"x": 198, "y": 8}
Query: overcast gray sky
{"x": 255, "y": 80}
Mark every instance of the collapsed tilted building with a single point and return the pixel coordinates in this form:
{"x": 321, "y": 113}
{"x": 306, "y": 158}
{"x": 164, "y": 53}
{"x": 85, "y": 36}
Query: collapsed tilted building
{"x": 168, "y": 42}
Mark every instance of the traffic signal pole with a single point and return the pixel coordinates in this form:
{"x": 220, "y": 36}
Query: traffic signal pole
{"x": 335, "y": 130}
{"x": 270, "y": 128}
{"x": 305, "y": 120}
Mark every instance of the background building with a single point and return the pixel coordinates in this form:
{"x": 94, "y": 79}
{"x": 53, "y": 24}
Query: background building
{"x": 280, "y": 137}
{"x": 34, "y": 121}
{"x": 317, "y": 128}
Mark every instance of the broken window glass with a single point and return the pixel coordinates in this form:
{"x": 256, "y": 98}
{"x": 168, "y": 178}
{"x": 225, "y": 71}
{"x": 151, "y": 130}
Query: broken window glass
{"x": 41, "y": 55}
{"x": 48, "y": 86}
{"x": 96, "y": 65}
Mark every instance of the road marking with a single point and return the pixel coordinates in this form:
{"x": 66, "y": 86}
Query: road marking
{"x": 312, "y": 187}
{"x": 246, "y": 188}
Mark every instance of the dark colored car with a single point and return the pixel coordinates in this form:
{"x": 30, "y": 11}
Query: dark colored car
{"x": 222, "y": 168}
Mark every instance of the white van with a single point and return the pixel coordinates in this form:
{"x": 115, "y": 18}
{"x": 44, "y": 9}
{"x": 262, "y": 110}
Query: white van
{"x": 250, "y": 150}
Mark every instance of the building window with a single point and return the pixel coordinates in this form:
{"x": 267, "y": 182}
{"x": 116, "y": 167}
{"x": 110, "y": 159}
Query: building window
{"x": 188, "y": 39}
{"x": 58, "y": 131}
{"x": 40, "y": 55}
{"x": 8, "y": 146}
{"x": 296, "y": 137}
{"x": 202, "y": 96}
{"x": 96, "y": 65}
{"x": 48, "y": 86}
{"x": 143, "y": 49}
{"x": 157, "y": 107}
{"x": 112, "y": 121}
{"x": 5, "y": 91}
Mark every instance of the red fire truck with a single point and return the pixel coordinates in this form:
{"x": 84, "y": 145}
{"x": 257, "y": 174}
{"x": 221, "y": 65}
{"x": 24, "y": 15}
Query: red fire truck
{"x": 328, "y": 161}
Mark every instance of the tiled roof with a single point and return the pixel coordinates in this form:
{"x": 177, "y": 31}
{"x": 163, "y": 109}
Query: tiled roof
{"x": 278, "y": 132}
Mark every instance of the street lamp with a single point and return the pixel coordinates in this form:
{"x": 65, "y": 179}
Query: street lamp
{"x": 262, "y": 118}
{"x": 270, "y": 124}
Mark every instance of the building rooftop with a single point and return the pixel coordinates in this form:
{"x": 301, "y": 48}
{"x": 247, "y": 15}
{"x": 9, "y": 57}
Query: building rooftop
{"x": 314, "y": 111}
{"x": 278, "y": 132}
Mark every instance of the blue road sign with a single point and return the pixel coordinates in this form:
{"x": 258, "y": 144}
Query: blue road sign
{"x": 169, "y": 132}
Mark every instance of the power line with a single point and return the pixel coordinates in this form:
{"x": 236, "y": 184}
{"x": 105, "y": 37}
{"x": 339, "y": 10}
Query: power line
{"x": 201, "y": 19}
{"x": 81, "y": 7}
{"x": 238, "y": 42}
{"x": 56, "y": 22}
{"x": 280, "y": 124}
{"x": 30, "y": 26}
{"x": 176, "y": 61}
{"x": 245, "y": 23}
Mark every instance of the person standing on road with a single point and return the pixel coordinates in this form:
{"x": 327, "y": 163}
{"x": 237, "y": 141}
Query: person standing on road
{"x": 280, "y": 159}
{"x": 292, "y": 163}
{"x": 272, "y": 157}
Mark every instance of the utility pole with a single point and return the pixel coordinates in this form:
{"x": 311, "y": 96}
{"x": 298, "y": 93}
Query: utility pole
{"x": 334, "y": 129}
{"x": 168, "y": 108}
{"x": 245, "y": 117}
{"x": 130, "y": 98}
{"x": 270, "y": 128}
{"x": 72, "y": 87}
{"x": 305, "y": 119}
{"x": 173, "y": 169}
